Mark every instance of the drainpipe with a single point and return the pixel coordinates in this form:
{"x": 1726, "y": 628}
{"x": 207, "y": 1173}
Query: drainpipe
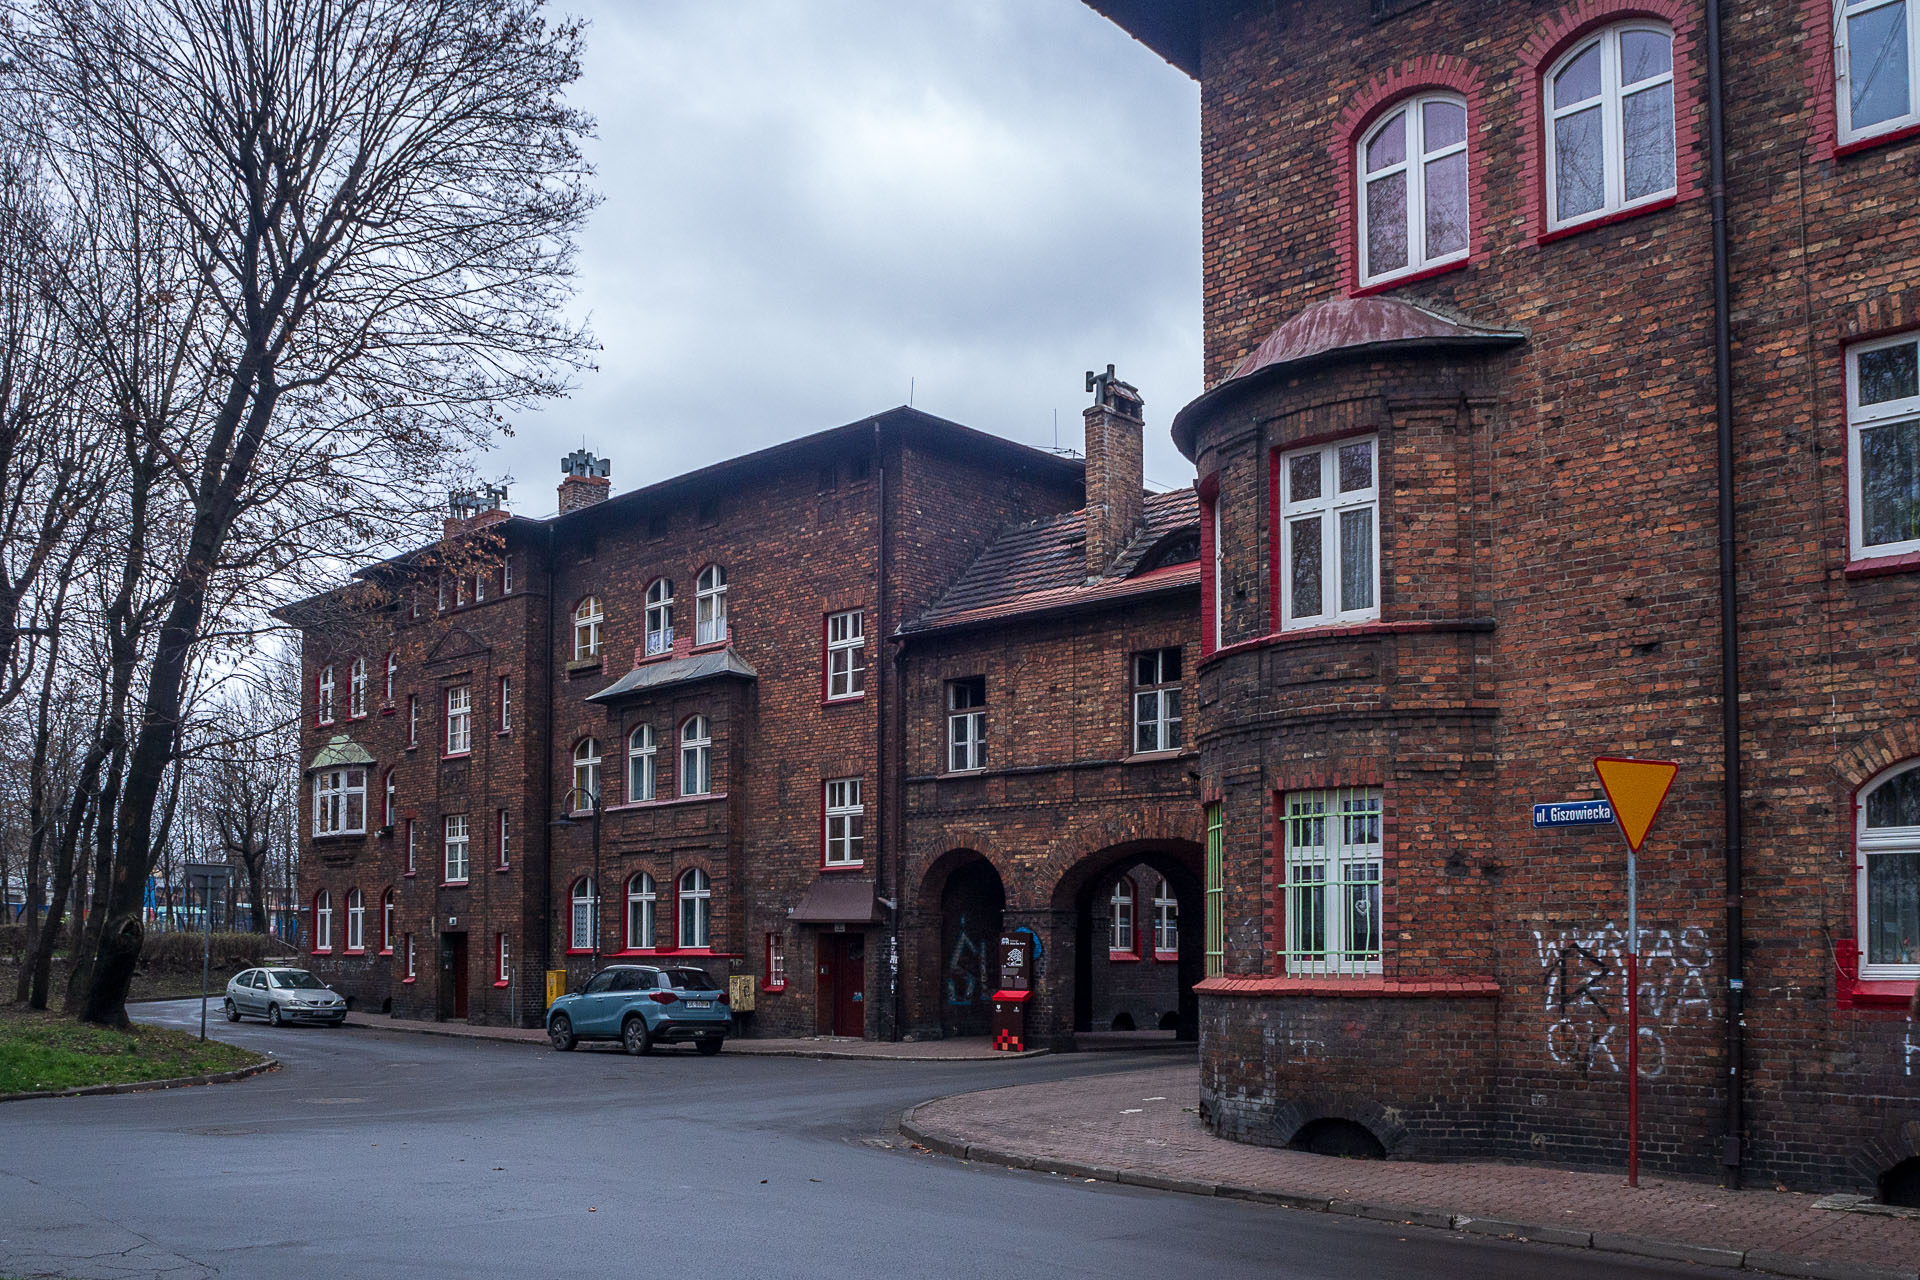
{"x": 543, "y": 777}
{"x": 1729, "y": 602}
{"x": 887, "y": 776}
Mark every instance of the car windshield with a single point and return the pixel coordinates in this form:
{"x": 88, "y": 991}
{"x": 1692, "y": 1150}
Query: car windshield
{"x": 688, "y": 980}
{"x": 299, "y": 979}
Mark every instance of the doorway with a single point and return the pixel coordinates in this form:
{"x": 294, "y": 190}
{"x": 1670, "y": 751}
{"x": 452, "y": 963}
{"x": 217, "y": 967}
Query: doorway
{"x": 453, "y": 975}
{"x": 841, "y": 988}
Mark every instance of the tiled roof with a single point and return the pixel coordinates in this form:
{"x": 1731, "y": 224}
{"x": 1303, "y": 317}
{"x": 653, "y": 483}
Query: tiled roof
{"x": 1041, "y": 567}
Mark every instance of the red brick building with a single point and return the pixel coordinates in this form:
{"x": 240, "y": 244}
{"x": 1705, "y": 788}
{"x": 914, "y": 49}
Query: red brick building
{"x": 1508, "y": 461}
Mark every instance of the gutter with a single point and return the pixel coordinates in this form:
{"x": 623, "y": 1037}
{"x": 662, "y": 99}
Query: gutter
{"x": 1729, "y": 603}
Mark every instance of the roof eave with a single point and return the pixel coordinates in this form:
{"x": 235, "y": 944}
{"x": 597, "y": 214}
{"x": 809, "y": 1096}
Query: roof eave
{"x": 1057, "y": 608}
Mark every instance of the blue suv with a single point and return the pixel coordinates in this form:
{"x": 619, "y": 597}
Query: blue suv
{"x": 641, "y": 1006}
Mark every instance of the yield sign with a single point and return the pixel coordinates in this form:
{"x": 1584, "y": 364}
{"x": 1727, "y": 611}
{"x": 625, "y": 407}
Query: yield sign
{"x": 1636, "y": 789}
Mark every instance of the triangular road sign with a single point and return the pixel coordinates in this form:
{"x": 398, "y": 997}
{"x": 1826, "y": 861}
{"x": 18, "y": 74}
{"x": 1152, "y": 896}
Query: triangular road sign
{"x": 1636, "y": 789}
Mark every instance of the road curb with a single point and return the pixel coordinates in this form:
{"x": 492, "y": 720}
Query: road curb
{"x": 741, "y": 1047}
{"x": 1767, "y": 1261}
{"x": 148, "y": 1086}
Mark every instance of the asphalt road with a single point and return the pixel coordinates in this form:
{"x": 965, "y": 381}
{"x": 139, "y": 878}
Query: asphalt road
{"x": 393, "y": 1155}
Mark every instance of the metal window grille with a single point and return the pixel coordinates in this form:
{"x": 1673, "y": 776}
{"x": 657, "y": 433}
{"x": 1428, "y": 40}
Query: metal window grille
{"x": 1333, "y": 854}
{"x": 1216, "y": 891}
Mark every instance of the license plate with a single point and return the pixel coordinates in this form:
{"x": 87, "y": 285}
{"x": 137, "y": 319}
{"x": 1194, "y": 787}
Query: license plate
{"x": 699, "y": 1004}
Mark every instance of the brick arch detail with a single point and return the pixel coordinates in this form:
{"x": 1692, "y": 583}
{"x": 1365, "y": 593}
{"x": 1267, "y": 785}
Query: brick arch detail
{"x": 1379, "y": 1120}
{"x": 1554, "y": 37}
{"x": 1435, "y": 71}
{"x": 1875, "y": 754}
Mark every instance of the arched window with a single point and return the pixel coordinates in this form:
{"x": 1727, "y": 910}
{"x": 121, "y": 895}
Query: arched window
{"x": 641, "y": 901}
{"x": 1610, "y": 138}
{"x": 696, "y": 908}
{"x": 393, "y": 670}
{"x": 586, "y": 775}
{"x": 640, "y": 761}
{"x": 322, "y": 921}
{"x": 710, "y": 606}
{"x": 660, "y": 617}
{"x": 1413, "y": 188}
{"x": 323, "y": 696}
{"x": 696, "y": 757}
{"x": 586, "y": 915}
{"x": 587, "y": 618}
{"x": 391, "y": 806}
{"x": 1166, "y": 920}
{"x": 386, "y": 923}
{"x": 1120, "y": 905}
{"x": 356, "y": 921}
{"x": 357, "y": 689}
{"x": 1888, "y": 838}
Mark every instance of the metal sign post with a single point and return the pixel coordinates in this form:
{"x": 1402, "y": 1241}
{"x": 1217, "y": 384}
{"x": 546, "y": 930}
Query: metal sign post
{"x": 1635, "y": 789}
{"x": 206, "y": 873}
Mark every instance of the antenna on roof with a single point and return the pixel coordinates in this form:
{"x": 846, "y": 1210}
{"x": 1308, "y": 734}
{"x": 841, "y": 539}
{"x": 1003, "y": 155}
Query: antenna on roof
{"x": 910, "y": 384}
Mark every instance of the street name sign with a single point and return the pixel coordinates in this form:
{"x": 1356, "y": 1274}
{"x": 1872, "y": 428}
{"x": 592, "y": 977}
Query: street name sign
{"x": 1572, "y": 813}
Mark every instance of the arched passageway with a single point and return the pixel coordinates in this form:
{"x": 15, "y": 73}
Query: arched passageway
{"x": 1129, "y": 941}
{"x": 965, "y": 892}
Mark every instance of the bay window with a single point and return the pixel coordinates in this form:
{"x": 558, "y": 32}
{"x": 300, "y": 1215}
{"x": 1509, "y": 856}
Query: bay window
{"x": 1329, "y": 534}
{"x": 1334, "y": 849}
{"x": 340, "y": 802}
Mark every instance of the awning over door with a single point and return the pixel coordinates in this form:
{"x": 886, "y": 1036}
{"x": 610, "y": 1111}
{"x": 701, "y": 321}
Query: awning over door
{"x": 838, "y": 899}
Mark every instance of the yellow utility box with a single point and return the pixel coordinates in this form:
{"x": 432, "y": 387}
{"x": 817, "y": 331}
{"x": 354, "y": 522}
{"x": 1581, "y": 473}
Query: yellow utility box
{"x": 556, "y": 985}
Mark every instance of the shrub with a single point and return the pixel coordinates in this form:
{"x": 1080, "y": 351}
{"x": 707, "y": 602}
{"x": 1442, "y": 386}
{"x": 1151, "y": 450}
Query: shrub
{"x": 13, "y": 940}
{"x": 180, "y": 952}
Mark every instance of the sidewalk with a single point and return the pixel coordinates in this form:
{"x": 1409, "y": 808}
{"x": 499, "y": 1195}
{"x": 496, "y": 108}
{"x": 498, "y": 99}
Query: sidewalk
{"x": 1143, "y": 1127}
{"x": 974, "y": 1049}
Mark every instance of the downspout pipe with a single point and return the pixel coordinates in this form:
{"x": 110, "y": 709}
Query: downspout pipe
{"x": 1729, "y": 603}
{"x": 889, "y": 776}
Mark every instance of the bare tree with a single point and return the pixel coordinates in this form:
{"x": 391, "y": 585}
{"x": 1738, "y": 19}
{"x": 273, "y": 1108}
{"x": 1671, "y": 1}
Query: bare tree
{"x": 371, "y": 206}
{"x": 241, "y": 777}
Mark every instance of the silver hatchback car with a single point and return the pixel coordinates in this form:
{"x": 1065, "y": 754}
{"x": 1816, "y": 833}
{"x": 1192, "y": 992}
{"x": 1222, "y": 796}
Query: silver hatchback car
{"x": 282, "y": 996}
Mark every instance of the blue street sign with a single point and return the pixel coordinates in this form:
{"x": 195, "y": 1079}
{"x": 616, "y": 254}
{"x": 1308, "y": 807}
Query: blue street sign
{"x": 1572, "y": 813}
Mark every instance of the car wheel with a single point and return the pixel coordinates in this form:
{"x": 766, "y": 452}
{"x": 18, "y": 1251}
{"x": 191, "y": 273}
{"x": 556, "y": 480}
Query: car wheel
{"x": 634, "y": 1035}
{"x": 560, "y": 1032}
{"x": 233, "y": 1014}
{"x": 273, "y": 1016}
{"x": 709, "y": 1047}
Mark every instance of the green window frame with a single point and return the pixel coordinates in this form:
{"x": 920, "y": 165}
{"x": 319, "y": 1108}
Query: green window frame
{"x": 1216, "y": 891}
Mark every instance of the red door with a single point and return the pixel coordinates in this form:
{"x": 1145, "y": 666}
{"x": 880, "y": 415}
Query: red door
{"x": 840, "y": 1007}
{"x": 455, "y": 953}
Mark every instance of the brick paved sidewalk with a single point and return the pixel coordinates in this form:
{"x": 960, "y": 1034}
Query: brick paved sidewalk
{"x": 1144, "y": 1127}
{"x": 964, "y": 1050}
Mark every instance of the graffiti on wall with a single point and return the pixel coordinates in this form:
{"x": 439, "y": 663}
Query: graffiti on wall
{"x": 966, "y": 968}
{"x": 1583, "y": 982}
{"x": 1911, "y": 1050}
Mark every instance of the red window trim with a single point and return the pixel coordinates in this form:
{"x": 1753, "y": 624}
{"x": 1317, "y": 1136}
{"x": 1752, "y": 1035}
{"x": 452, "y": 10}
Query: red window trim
{"x": 1131, "y": 955}
{"x": 860, "y": 865}
{"x": 1317, "y": 440}
{"x": 678, "y": 876}
{"x": 1883, "y": 566}
{"x": 1207, "y": 489}
{"x": 826, "y": 658}
{"x": 1573, "y": 23}
{"x": 1381, "y": 95}
{"x": 1816, "y": 17}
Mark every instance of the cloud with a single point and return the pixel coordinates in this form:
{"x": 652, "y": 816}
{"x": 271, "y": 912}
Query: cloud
{"x": 814, "y": 205}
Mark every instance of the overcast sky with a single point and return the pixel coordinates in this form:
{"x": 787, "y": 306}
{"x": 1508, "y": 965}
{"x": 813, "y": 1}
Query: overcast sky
{"x": 814, "y": 205}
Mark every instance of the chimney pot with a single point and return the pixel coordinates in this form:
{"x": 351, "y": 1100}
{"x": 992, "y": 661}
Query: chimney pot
{"x": 584, "y": 480}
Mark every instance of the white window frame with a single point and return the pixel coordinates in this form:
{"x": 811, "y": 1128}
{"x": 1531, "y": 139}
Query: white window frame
{"x": 643, "y": 912}
{"x": 356, "y": 921}
{"x": 659, "y": 617}
{"x": 506, "y": 704}
{"x": 1122, "y": 936}
{"x": 588, "y": 617}
{"x": 504, "y": 960}
{"x": 413, "y": 846}
{"x": 459, "y": 846}
{"x": 1843, "y": 71}
{"x": 1869, "y": 842}
{"x": 413, "y": 719}
{"x": 1325, "y": 835}
{"x": 846, "y": 655}
{"x": 1863, "y": 418}
{"x": 710, "y": 606}
{"x": 1414, "y": 164}
{"x": 391, "y": 804}
{"x": 479, "y": 587}
{"x": 504, "y": 838}
{"x": 643, "y": 776}
{"x": 386, "y": 922}
{"x": 966, "y": 727}
{"x": 410, "y": 968}
{"x": 1157, "y": 705}
{"x": 845, "y": 824}
{"x": 1166, "y": 920}
{"x": 323, "y": 921}
{"x": 583, "y": 921}
{"x": 506, "y": 575}
{"x": 696, "y": 757}
{"x": 323, "y": 695}
{"x": 339, "y": 796}
{"x": 586, "y": 773}
{"x": 1329, "y": 506}
{"x": 776, "y": 979}
{"x": 695, "y": 891}
{"x": 393, "y": 671}
{"x": 1612, "y": 124}
{"x": 357, "y": 689}
{"x": 459, "y": 705}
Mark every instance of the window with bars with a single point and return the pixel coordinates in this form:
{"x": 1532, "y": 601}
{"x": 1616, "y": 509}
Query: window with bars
{"x": 1216, "y": 921}
{"x": 1330, "y": 535}
{"x": 1156, "y": 701}
{"x": 1333, "y": 861}
{"x": 846, "y": 654}
{"x": 966, "y": 724}
{"x": 776, "y": 963}
{"x": 585, "y": 920}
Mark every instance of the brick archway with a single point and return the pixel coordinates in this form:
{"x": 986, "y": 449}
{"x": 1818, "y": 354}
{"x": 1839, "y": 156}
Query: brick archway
{"x": 962, "y": 904}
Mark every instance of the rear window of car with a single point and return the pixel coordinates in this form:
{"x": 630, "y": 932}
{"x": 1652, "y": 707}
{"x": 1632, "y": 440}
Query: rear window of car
{"x": 244, "y": 979}
{"x": 687, "y": 980}
{"x": 299, "y": 979}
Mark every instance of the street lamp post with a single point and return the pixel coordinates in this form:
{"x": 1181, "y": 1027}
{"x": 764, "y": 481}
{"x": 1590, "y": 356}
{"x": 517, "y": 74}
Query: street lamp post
{"x": 567, "y": 808}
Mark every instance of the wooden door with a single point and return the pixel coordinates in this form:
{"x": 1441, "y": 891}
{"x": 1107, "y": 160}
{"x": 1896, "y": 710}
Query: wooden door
{"x": 453, "y": 978}
{"x": 840, "y": 1003}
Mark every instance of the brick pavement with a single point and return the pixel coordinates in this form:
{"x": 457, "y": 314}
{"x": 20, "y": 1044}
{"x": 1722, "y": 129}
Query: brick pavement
{"x": 970, "y": 1049}
{"x": 1143, "y": 1126}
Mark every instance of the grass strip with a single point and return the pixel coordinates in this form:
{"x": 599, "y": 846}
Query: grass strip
{"x": 45, "y": 1051}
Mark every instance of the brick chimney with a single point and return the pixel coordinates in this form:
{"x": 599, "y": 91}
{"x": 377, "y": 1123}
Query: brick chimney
{"x": 471, "y": 509}
{"x": 586, "y": 480}
{"x": 1115, "y": 478}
